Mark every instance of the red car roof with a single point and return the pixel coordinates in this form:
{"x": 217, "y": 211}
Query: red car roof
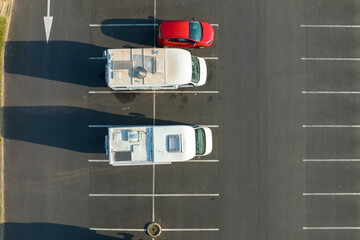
{"x": 175, "y": 29}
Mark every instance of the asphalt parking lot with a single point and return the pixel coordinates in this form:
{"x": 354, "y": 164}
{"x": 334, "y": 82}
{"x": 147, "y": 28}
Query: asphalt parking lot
{"x": 332, "y": 152}
{"x": 160, "y": 191}
{"x": 281, "y": 100}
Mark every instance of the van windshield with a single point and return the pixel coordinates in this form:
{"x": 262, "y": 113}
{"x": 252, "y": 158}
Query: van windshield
{"x": 200, "y": 141}
{"x": 195, "y": 77}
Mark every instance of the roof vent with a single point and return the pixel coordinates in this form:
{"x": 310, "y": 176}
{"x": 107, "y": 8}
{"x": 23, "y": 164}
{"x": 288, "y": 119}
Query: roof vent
{"x": 140, "y": 72}
{"x": 174, "y": 143}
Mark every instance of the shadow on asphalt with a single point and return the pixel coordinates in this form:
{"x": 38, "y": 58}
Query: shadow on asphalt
{"x": 62, "y": 61}
{"x": 66, "y": 127}
{"x": 143, "y": 35}
{"x": 37, "y": 231}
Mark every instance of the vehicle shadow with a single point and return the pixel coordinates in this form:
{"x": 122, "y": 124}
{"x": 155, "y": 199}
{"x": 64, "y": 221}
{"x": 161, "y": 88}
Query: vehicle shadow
{"x": 66, "y": 127}
{"x": 135, "y": 31}
{"x": 38, "y": 230}
{"x": 63, "y": 61}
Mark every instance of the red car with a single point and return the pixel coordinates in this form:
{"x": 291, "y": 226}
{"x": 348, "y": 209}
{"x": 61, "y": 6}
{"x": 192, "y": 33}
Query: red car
{"x": 185, "y": 34}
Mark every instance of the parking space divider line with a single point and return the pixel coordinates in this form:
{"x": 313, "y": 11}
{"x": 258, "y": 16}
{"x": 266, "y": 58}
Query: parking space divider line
{"x": 164, "y": 229}
{"x": 189, "y": 229}
{"x": 329, "y": 26}
{"x": 331, "y": 92}
{"x": 211, "y": 126}
{"x": 331, "y": 126}
{"x": 155, "y": 23}
{"x": 110, "y": 126}
{"x": 148, "y": 92}
{"x": 119, "y": 229}
{"x": 331, "y": 228}
{"x": 155, "y": 195}
{"x": 201, "y": 161}
{"x": 133, "y": 25}
{"x": 330, "y": 59}
{"x": 103, "y": 58}
{"x": 331, "y": 160}
{"x": 331, "y": 194}
{"x": 97, "y": 58}
{"x": 210, "y": 58}
{"x": 190, "y": 161}
{"x": 124, "y": 25}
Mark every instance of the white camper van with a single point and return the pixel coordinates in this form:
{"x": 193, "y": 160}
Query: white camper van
{"x": 153, "y": 69}
{"x": 144, "y": 145}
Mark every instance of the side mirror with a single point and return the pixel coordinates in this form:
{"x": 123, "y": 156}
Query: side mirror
{"x": 193, "y": 85}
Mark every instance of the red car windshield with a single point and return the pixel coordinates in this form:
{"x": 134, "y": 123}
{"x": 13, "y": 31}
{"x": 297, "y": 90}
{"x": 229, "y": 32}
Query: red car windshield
{"x": 195, "y": 32}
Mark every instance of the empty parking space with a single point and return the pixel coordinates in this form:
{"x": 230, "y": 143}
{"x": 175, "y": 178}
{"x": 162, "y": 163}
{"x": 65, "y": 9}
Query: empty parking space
{"x": 110, "y": 212}
{"x": 105, "y": 179}
{"x": 190, "y": 212}
{"x": 333, "y": 234}
{"x": 187, "y": 108}
{"x": 332, "y": 211}
{"x": 333, "y": 109}
{"x": 123, "y": 37}
{"x": 332, "y": 143}
{"x": 177, "y": 10}
{"x": 123, "y": 11}
{"x": 332, "y": 42}
{"x": 122, "y": 109}
{"x": 187, "y": 178}
{"x": 332, "y": 75}
{"x": 331, "y": 12}
{"x": 336, "y": 177}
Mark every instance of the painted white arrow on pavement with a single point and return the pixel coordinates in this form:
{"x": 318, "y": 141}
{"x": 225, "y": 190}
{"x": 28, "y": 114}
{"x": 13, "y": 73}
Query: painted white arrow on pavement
{"x": 48, "y": 21}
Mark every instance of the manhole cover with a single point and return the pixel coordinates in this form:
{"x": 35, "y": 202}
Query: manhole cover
{"x": 154, "y": 229}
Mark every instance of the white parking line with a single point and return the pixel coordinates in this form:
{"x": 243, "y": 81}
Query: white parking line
{"x": 154, "y": 195}
{"x": 119, "y": 229}
{"x": 331, "y": 194}
{"x": 330, "y": 59}
{"x": 210, "y": 58}
{"x": 124, "y": 25}
{"x": 190, "y": 229}
{"x": 154, "y": 107}
{"x": 331, "y": 228}
{"x": 331, "y": 126}
{"x": 103, "y": 58}
{"x": 164, "y": 230}
{"x": 97, "y": 58}
{"x": 330, "y": 26}
{"x": 331, "y": 160}
{"x": 155, "y": 23}
{"x": 148, "y": 92}
{"x": 97, "y": 161}
{"x": 201, "y": 161}
{"x": 211, "y": 126}
{"x": 134, "y": 24}
{"x": 190, "y": 161}
{"x": 110, "y": 126}
{"x": 331, "y": 92}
